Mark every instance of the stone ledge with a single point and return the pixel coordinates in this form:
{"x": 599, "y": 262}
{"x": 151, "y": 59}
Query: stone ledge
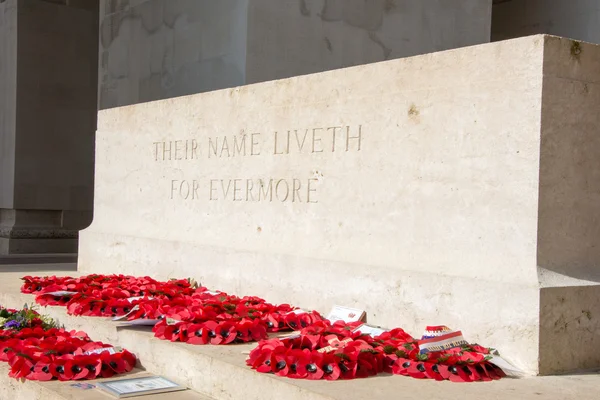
{"x": 220, "y": 371}
{"x": 55, "y": 390}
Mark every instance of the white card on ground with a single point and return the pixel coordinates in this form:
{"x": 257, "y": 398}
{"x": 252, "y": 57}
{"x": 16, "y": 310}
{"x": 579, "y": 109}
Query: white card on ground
{"x": 346, "y": 314}
{"x": 140, "y": 322}
{"x": 111, "y": 350}
{"x": 290, "y": 335}
{"x": 137, "y": 298}
{"x": 370, "y": 330}
{"x": 124, "y": 317}
{"x": 61, "y": 293}
{"x": 123, "y": 388}
{"x": 298, "y": 311}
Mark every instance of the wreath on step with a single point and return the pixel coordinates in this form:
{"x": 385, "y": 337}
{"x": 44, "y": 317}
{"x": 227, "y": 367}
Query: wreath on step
{"x": 36, "y": 349}
{"x": 340, "y": 351}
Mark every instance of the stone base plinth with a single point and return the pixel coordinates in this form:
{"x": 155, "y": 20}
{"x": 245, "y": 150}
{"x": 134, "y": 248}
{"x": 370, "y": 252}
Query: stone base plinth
{"x": 455, "y": 188}
{"x": 38, "y": 231}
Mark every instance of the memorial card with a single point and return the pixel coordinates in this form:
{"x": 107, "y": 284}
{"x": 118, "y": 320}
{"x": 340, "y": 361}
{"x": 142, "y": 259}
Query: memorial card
{"x": 346, "y": 314}
{"x": 124, "y": 388}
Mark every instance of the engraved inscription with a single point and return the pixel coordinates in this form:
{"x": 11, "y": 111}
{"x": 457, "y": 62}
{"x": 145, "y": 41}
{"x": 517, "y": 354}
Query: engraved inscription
{"x": 306, "y": 141}
{"x": 262, "y": 190}
{"x": 176, "y": 150}
{"x": 318, "y": 140}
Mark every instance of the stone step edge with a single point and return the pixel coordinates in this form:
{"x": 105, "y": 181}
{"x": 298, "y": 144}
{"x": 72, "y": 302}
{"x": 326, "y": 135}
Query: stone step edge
{"x": 14, "y": 389}
{"x": 204, "y": 369}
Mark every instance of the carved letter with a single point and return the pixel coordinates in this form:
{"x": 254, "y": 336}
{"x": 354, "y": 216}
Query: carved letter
{"x": 213, "y": 146}
{"x": 173, "y": 188}
{"x": 348, "y": 137}
{"x": 287, "y": 190}
{"x": 308, "y": 200}
{"x": 236, "y": 189}
{"x": 316, "y": 139}
{"x": 254, "y": 143}
{"x": 166, "y": 151}
{"x": 301, "y": 145}
{"x": 249, "y": 187}
{"x": 177, "y": 149}
{"x": 194, "y": 148}
{"x": 242, "y": 145}
{"x": 333, "y": 136}
{"x": 225, "y": 192}
{"x": 296, "y": 190}
{"x": 187, "y": 186}
{"x": 224, "y": 146}
{"x": 195, "y": 187}
{"x": 210, "y": 197}
{"x": 275, "y": 146}
{"x": 268, "y": 192}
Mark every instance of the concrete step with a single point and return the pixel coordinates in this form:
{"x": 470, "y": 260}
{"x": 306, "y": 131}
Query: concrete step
{"x": 220, "y": 371}
{"x": 55, "y": 390}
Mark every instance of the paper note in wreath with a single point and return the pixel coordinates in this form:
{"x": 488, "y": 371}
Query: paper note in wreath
{"x": 135, "y": 322}
{"x": 370, "y": 330}
{"x": 61, "y": 293}
{"x": 124, "y": 388}
{"x": 111, "y": 350}
{"x": 346, "y": 314}
{"x": 335, "y": 344}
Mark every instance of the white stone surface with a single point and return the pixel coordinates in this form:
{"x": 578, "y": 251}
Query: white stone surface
{"x": 442, "y": 217}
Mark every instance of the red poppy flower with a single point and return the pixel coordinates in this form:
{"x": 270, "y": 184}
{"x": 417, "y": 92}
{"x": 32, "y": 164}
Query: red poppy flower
{"x": 117, "y": 363}
{"x": 194, "y": 333}
{"x": 347, "y": 363}
{"x": 480, "y": 349}
{"x": 21, "y": 366}
{"x": 7, "y": 347}
{"x": 330, "y": 367}
{"x": 401, "y": 366}
{"x": 432, "y": 371}
{"x": 297, "y": 361}
{"x": 311, "y": 365}
{"x": 279, "y": 361}
{"x": 41, "y": 370}
{"x": 367, "y": 364}
{"x": 83, "y": 367}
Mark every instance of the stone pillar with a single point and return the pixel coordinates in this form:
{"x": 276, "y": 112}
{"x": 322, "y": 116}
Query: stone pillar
{"x": 157, "y": 49}
{"x": 48, "y": 103}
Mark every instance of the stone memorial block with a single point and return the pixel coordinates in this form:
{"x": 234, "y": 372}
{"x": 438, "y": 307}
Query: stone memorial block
{"x": 458, "y": 188}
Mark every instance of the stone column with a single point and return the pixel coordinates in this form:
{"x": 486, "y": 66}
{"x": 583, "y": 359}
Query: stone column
{"x": 157, "y": 49}
{"x": 48, "y": 102}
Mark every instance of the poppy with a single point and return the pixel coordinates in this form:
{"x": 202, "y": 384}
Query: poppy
{"x": 41, "y": 370}
{"x": 297, "y": 361}
{"x": 83, "y": 367}
{"x": 194, "y": 334}
{"x": 279, "y": 361}
{"x": 311, "y": 365}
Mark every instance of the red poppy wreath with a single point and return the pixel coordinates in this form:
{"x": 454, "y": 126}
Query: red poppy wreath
{"x": 339, "y": 351}
{"x": 36, "y": 350}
